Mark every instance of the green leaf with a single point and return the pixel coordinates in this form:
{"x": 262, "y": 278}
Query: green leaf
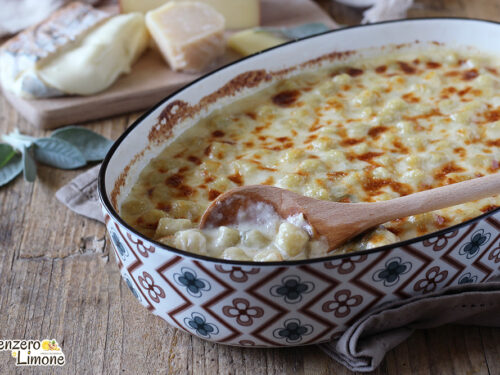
{"x": 6, "y": 153}
{"x": 29, "y": 165}
{"x": 93, "y": 146}
{"x": 304, "y": 30}
{"x": 297, "y": 32}
{"x": 58, "y": 153}
{"x": 11, "y": 169}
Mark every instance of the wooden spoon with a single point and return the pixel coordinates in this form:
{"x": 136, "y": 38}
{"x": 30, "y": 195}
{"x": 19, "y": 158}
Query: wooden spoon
{"x": 339, "y": 222}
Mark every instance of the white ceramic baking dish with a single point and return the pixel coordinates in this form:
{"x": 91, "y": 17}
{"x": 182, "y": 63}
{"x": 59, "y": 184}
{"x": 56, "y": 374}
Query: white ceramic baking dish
{"x": 298, "y": 302}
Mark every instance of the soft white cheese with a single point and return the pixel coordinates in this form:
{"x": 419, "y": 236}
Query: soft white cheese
{"x": 103, "y": 55}
{"x": 21, "y": 55}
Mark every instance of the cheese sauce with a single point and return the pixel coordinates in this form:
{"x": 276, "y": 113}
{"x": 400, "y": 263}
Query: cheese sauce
{"x": 364, "y": 130}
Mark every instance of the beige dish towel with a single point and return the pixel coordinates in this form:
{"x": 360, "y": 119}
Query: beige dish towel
{"x": 80, "y": 194}
{"x": 363, "y": 346}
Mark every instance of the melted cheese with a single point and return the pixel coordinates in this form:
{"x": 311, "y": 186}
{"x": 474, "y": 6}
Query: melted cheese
{"x": 364, "y": 130}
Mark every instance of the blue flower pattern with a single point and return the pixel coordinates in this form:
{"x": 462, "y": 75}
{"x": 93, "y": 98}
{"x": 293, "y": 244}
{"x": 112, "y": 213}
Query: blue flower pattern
{"x": 292, "y": 289}
{"x": 193, "y": 284}
{"x": 390, "y": 275}
{"x": 467, "y": 278}
{"x": 118, "y": 245}
{"x": 478, "y": 239}
{"x": 132, "y": 289}
{"x": 199, "y": 324}
{"x": 293, "y": 331}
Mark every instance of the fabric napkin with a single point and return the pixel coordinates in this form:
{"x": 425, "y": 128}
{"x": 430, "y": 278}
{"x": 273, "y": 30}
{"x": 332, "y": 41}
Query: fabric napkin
{"x": 80, "y": 195}
{"x": 363, "y": 346}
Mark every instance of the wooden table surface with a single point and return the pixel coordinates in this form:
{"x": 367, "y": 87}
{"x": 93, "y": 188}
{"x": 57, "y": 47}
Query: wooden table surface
{"x": 57, "y": 281}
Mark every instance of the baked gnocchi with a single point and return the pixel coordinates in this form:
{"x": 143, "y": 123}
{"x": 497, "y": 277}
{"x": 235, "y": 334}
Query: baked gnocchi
{"x": 359, "y": 130}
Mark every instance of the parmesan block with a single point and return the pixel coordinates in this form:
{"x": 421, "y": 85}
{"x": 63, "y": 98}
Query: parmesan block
{"x": 239, "y": 14}
{"x": 251, "y": 41}
{"x": 190, "y": 35}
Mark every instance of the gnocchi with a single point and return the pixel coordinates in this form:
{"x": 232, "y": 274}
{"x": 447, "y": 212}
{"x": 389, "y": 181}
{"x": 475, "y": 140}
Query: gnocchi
{"x": 360, "y": 129}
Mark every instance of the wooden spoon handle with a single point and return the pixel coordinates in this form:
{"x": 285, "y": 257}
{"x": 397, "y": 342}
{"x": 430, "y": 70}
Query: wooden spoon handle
{"x": 435, "y": 199}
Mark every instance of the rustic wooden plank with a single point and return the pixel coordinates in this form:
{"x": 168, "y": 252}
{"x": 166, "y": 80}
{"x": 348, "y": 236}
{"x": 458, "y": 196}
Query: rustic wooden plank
{"x": 491, "y": 348}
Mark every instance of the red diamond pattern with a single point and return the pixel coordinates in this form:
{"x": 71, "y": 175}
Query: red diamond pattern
{"x": 332, "y": 294}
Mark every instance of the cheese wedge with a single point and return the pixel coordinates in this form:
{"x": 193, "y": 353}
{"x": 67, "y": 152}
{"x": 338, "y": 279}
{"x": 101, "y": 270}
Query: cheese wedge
{"x": 190, "y": 35}
{"x": 100, "y": 58}
{"x": 21, "y": 55}
{"x": 238, "y": 14}
{"x": 251, "y": 41}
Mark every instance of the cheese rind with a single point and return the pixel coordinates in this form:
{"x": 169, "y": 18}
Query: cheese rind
{"x": 248, "y": 42}
{"x": 21, "y": 55}
{"x": 102, "y": 56}
{"x": 190, "y": 35}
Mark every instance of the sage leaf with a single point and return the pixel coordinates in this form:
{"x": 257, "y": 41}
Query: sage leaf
{"x": 297, "y": 32}
{"x": 93, "y": 146}
{"x": 11, "y": 169}
{"x": 58, "y": 153}
{"x": 6, "y": 153}
{"x": 29, "y": 165}
{"x": 304, "y": 30}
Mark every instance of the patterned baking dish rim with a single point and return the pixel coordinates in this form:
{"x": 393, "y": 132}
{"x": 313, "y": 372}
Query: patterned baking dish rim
{"x": 289, "y": 303}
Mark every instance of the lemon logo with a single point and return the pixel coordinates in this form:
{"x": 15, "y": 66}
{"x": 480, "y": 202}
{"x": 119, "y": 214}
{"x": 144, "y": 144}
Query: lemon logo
{"x": 50, "y": 345}
{"x": 45, "y": 345}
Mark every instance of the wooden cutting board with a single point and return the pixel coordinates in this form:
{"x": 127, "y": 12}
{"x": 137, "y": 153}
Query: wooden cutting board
{"x": 151, "y": 79}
